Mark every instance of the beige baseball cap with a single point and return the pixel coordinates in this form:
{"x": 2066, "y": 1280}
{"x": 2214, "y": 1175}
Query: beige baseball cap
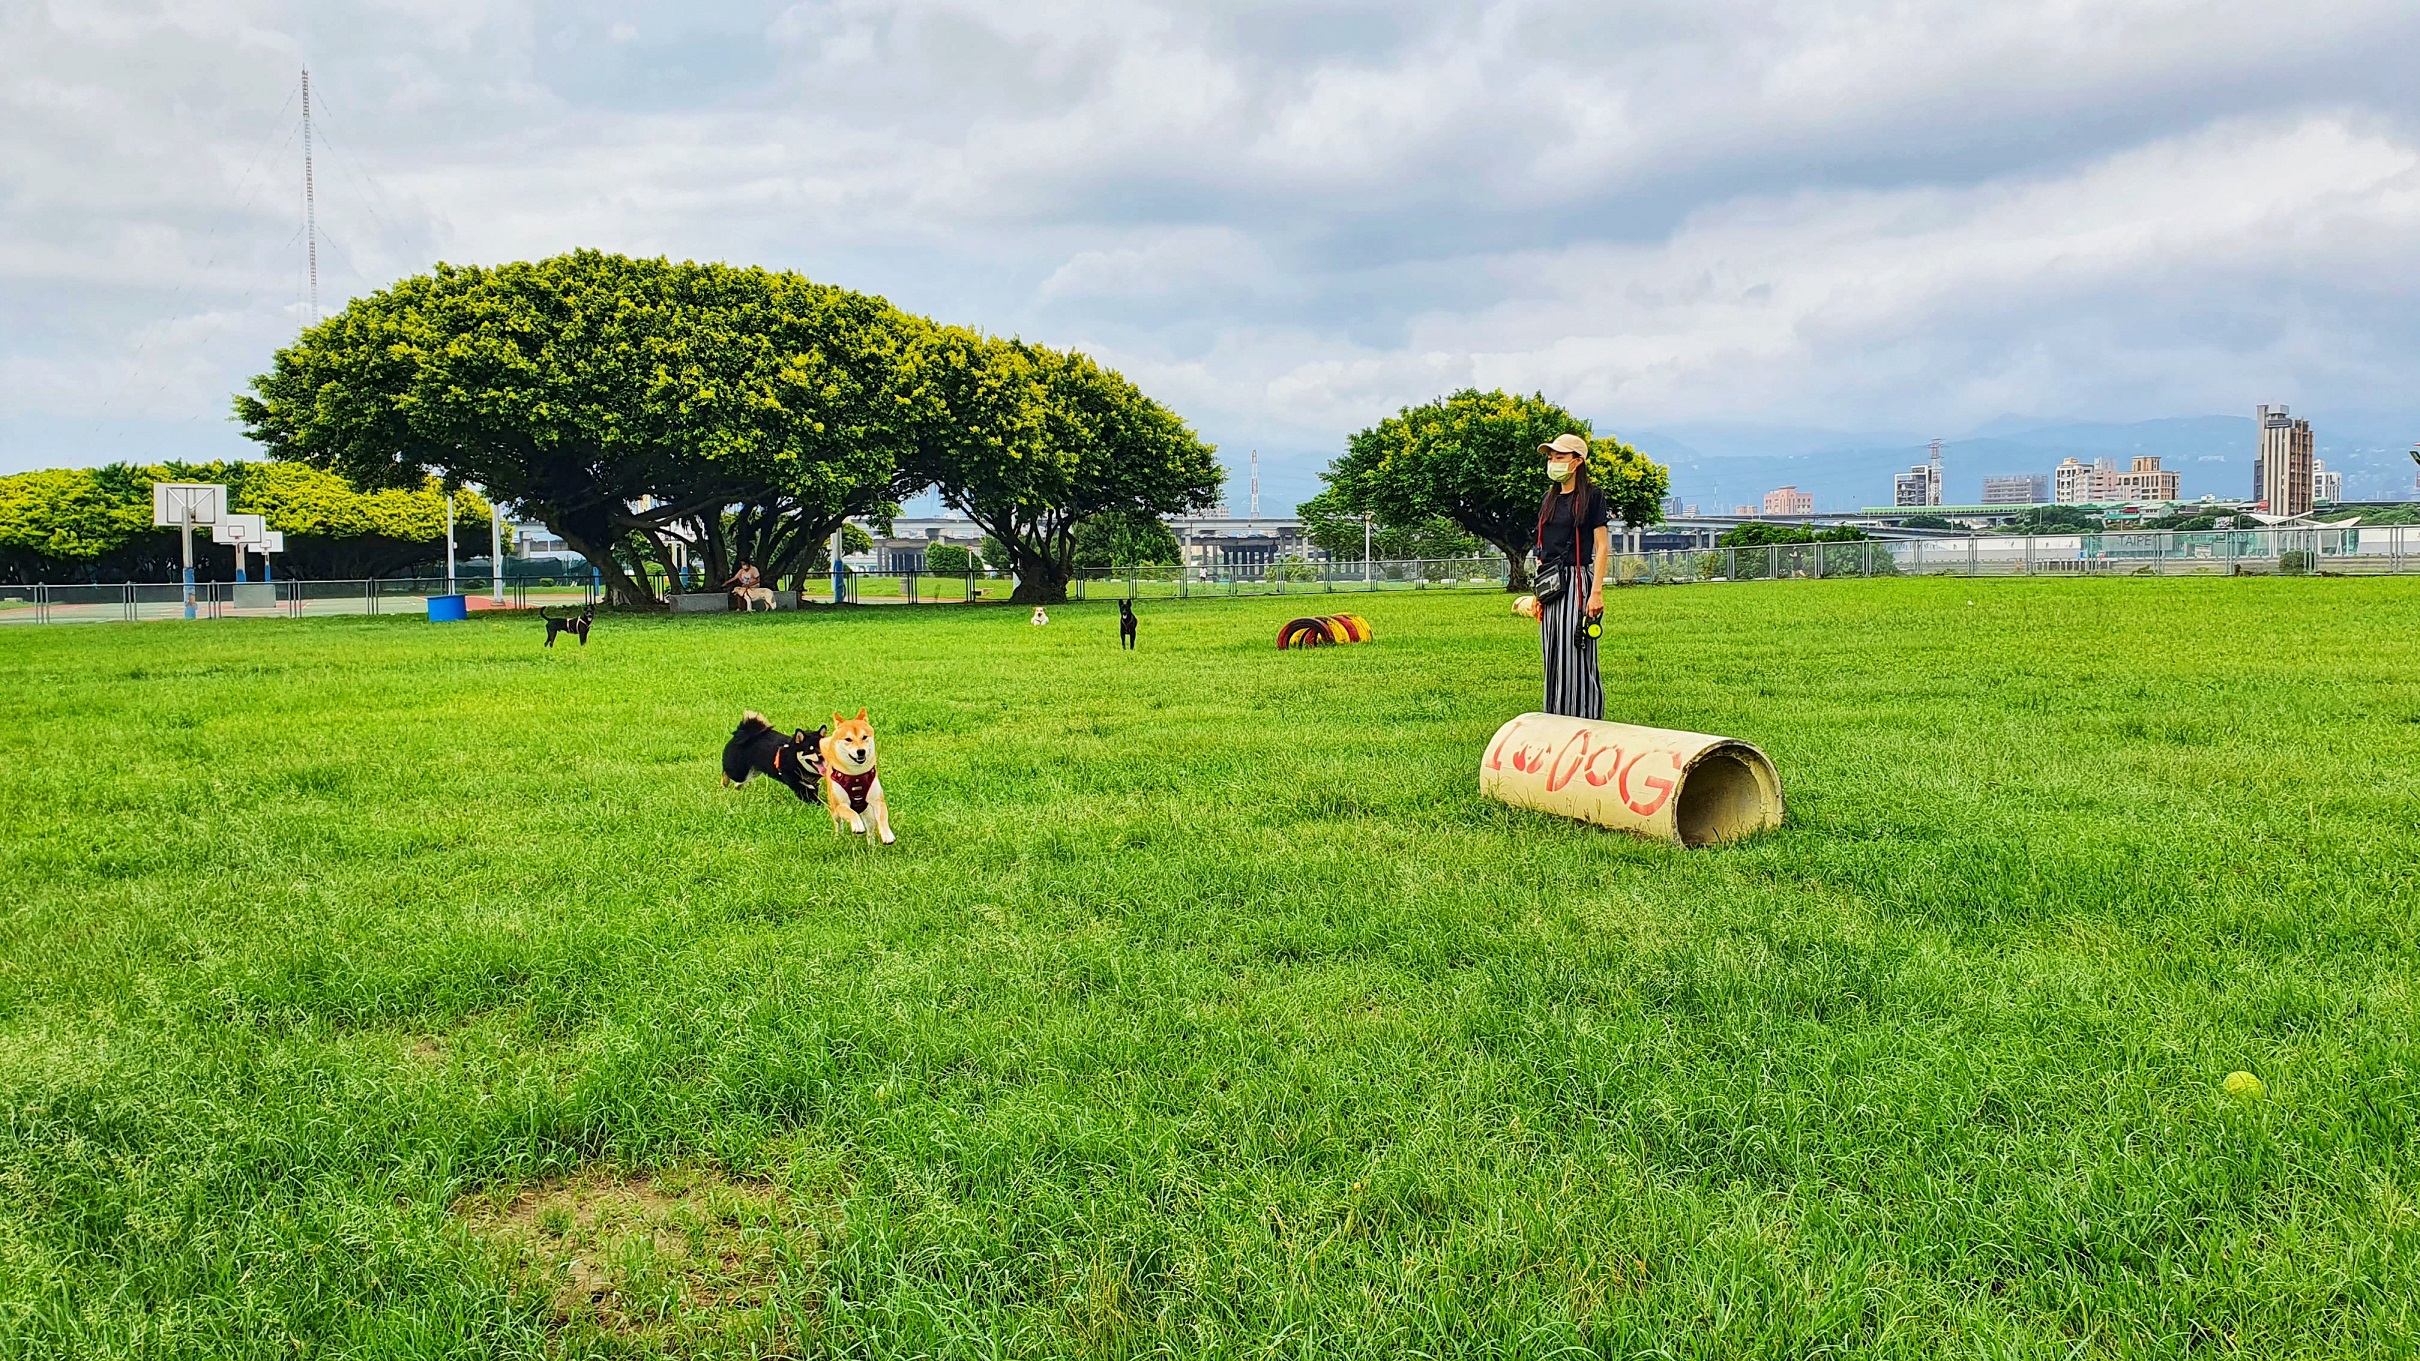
{"x": 1575, "y": 445}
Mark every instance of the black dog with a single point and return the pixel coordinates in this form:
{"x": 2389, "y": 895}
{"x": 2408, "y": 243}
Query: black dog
{"x": 1126, "y": 624}
{"x": 574, "y": 624}
{"x": 757, "y": 747}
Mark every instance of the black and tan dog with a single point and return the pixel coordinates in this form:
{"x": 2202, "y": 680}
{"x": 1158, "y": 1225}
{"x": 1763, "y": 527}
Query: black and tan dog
{"x": 574, "y": 624}
{"x": 1126, "y": 624}
{"x": 757, "y": 747}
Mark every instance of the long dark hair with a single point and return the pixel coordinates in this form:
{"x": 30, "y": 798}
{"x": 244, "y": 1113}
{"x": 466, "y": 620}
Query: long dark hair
{"x": 1581, "y": 486}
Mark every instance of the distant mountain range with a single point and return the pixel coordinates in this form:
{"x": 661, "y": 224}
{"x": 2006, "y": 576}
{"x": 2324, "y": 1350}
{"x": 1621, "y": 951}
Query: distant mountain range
{"x": 1720, "y": 467}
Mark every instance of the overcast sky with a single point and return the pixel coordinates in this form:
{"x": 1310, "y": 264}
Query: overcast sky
{"x": 1285, "y": 220}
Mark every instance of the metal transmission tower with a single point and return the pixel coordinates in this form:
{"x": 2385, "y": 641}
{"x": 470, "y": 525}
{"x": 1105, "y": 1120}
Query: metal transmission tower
{"x": 1935, "y": 488}
{"x": 310, "y": 199}
{"x": 1256, "y": 484}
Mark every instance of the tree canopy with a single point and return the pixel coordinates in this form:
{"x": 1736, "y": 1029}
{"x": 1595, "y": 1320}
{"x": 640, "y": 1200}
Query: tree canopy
{"x": 1122, "y": 538}
{"x": 1031, "y": 443}
{"x": 1756, "y": 534}
{"x": 743, "y": 413}
{"x": 1337, "y": 531}
{"x": 1471, "y": 459}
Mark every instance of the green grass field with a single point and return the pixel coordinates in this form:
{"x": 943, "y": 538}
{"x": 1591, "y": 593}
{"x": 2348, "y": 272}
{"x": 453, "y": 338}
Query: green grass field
{"x": 371, "y": 988}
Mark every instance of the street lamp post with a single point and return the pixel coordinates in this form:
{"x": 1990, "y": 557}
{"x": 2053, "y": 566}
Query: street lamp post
{"x": 1365, "y": 548}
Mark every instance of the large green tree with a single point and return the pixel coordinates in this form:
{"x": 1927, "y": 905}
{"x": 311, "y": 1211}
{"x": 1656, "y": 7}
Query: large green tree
{"x": 1471, "y": 458}
{"x": 609, "y": 398}
{"x": 1030, "y": 443}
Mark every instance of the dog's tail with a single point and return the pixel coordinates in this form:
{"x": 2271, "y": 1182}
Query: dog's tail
{"x": 750, "y": 724}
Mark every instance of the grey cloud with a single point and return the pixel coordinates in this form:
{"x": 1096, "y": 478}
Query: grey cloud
{"x": 1286, "y": 218}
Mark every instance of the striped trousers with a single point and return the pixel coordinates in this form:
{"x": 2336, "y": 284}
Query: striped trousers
{"x": 1573, "y": 687}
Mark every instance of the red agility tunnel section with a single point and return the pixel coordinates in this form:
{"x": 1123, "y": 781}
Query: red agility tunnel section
{"x": 1320, "y": 629}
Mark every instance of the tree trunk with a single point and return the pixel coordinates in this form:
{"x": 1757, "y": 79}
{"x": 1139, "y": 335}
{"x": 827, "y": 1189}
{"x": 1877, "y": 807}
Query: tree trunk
{"x": 1516, "y": 579}
{"x": 621, "y": 589}
{"x": 1039, "y": 580}
{"x": 589, "y": 532}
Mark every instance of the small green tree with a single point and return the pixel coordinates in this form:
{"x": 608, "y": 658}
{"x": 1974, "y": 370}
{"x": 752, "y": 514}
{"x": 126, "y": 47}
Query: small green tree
{"x": 1337, "y": 532}
{"x": 949, "y": 558}
{"x": 1118, "y": 538}
{"x": 1471, "y": 458}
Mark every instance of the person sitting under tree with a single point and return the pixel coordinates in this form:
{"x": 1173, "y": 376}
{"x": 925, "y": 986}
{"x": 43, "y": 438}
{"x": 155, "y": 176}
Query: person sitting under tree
{"x": 747, "y": 588}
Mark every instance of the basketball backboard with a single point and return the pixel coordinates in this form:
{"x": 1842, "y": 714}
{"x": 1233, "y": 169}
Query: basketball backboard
{"x": 173, "y": 502}
{"x": 242, "y": 529}
{"x": 272, "y": 541}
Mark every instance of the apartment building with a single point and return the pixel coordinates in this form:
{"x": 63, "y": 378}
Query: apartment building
{"x": 2022, "y": 489}
{"x": 1789, "y": 501}
{"x": 2283, "y": 464}
{"x": 2148, "y": 481}
{"x": 2075, "y": 483}
{"x": 2325, "y": 484}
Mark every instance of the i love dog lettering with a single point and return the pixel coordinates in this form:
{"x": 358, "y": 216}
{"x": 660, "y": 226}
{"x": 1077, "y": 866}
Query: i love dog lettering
{"x": 1691, "y": 788}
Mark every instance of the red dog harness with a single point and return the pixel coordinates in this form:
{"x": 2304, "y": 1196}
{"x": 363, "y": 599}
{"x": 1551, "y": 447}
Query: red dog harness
{"x": 858, "y": 786}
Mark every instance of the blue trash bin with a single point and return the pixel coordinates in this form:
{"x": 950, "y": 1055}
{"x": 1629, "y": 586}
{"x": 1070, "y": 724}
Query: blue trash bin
{"x": 449, "y": 609}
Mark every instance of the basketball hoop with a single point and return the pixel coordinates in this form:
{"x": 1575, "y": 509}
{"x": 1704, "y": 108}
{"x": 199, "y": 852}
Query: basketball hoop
{"x": 181, "y": 506}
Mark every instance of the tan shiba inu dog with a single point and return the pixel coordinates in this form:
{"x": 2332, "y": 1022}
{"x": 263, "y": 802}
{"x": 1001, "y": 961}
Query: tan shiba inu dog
{"x": 851, "y": 790}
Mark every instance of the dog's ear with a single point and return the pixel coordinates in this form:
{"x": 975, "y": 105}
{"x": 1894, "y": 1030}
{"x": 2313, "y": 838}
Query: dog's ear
{"x": 861, "y": 713}
{"x": 799, "y": 737}
{"x": 837, "y": 720}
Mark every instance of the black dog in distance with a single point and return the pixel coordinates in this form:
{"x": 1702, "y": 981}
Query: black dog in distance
{"x": 574, "y": 624}
{"x": 1126, "y": 624}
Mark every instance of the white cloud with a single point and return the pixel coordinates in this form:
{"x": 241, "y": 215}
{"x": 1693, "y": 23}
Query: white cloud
{"x": 1285, "y": 218}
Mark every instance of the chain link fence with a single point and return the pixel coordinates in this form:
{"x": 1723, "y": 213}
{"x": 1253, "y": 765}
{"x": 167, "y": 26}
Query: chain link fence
{"x": 2243, "y": 552}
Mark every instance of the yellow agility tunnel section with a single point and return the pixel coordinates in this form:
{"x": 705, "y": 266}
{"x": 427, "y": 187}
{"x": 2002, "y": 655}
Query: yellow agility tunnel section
{"x": 1318, "y": 629}
{"x": 1689, "y": 788}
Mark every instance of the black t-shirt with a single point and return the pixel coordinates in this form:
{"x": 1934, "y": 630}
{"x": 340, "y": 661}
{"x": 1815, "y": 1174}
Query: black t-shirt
{"x": 1555, "y": 540}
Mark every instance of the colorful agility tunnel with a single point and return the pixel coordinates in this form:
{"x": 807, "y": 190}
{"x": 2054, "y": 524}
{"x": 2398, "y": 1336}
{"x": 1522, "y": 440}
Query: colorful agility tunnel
{"x": 1320, "y": 629}
{"x": 1689, "y": 788}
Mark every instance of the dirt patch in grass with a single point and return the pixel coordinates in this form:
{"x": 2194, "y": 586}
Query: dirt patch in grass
{"x": 679, "y": 1260}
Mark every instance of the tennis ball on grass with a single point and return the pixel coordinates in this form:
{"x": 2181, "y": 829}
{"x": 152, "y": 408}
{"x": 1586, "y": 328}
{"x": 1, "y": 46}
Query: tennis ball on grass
{"x": 2244, "y": 1085}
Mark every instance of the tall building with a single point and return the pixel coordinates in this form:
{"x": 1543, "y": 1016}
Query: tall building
{"x": 2325, "y": 485}
{"x": 2095, "y": 483}
{"x": 1789, "y": 501}
{"x": 2148, "y": 481}
{"x": 1921, "y": 484}
{"x": 2023, "y": 489}
{"x": 2281, "y": 466}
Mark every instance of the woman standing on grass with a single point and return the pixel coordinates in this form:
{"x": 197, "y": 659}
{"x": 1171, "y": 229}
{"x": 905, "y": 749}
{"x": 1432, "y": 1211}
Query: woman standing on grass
{"x": 1572, "y": 536}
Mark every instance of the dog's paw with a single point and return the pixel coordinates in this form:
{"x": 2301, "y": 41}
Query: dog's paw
{"x": 887, "y": 837}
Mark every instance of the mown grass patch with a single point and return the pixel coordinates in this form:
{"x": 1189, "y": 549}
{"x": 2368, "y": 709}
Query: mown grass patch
{"x": 1203, "y": 1007}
